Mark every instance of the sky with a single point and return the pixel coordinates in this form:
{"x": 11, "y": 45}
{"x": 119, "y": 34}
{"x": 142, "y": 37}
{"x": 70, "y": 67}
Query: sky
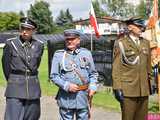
{"x": 78, "y": 8}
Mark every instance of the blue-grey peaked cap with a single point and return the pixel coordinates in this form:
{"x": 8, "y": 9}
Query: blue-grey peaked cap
{"x": 72, "y": 33}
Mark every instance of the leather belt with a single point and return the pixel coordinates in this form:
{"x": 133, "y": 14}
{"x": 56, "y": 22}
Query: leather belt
{"x": 19, "y": 72}
{"x": 83, "y": 87}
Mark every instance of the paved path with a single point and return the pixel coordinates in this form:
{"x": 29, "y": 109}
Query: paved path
{"x": 50, "y": 110}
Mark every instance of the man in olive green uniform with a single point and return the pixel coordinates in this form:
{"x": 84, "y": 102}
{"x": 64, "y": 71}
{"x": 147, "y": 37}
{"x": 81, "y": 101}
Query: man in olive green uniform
{"x": 131, "y": 69}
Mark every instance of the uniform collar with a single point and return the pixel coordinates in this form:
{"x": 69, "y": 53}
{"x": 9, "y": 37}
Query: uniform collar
{"x": 22, "y": 42}
{"x": 134, "y": 39}
{"x": 76, "y": 51}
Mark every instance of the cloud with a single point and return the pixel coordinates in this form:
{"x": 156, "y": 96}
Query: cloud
{"x": 78, "y": 8}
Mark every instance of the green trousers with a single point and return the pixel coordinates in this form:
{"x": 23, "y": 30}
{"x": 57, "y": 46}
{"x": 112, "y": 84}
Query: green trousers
{"x": 134, "y": 108}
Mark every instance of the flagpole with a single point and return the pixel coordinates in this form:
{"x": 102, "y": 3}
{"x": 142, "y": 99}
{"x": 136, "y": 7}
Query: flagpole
{"x": 91, "y": 40}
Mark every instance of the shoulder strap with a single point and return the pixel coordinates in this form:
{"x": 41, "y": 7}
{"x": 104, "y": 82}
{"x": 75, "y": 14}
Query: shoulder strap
{"x": 21, "y": 56}
{"x": 124, "y": 56}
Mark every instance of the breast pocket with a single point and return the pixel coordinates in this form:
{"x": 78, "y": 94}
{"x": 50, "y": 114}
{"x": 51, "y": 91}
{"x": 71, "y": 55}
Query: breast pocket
{"x": 129, "y": 53}
{"x": 15, "y": 59}
{"x": 34, "y": 59}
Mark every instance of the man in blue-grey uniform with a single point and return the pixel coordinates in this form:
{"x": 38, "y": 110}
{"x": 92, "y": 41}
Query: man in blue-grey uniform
{"x": 73, "y": 71}
{"x": 20, "y": 61}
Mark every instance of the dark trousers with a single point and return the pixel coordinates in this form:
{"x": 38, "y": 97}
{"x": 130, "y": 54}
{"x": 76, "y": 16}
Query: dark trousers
{"x": 22, "y": 109}
{"x": 134, "y": 108}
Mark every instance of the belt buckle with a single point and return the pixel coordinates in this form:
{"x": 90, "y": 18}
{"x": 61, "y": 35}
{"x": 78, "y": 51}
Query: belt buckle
{"x": 83, "y": 87}
{"x": 28, "y": 72}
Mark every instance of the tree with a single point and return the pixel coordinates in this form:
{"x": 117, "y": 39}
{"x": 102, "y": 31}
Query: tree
{"x": 9, "y": 21}
{"x": 64, "y": 17}
{"x": 21, "y": 14}
{"x": 41, "y": 14}
{"x": 69, "y": 16}
{"x": 61, "y": 19}
{"x": 114, "y": 8}
{"x": 98, "y": 10}
{"x": 64, "y": 20}
{"x": 141, "y": 10}
{"x": 120, "y": 8}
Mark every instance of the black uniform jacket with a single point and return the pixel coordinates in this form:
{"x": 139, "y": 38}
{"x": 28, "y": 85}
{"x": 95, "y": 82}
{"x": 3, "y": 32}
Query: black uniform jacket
{"x": 20, "y": 62}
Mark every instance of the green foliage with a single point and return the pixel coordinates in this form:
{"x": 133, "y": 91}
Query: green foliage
{"x": 114, "y": 8}
{"x": 9, "y": 21}
{"x": 106, "y": 100}
{"x": 153, "y": 107}
{"x": 21, "y": 14}
{"x": 61, "y": 19}
{"x": 141, "y": 10}
{"x": 64, "y": 20}
{"x": 69, "y": 16}
{"x": 48, "y": 88}
{"x": 41, "y": 14}
{"x": 98, "y": 11}
{"x": 2, "y": 79}
{"x": 120, "y": 8}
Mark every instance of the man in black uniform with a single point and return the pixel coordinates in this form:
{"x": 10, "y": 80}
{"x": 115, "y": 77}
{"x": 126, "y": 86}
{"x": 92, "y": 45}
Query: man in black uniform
{"x": 21, "y": 59}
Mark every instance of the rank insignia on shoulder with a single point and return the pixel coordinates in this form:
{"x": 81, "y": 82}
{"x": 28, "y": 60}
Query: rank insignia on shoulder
{"x": 11, "y": 38}
{"x": 60, "y": 51}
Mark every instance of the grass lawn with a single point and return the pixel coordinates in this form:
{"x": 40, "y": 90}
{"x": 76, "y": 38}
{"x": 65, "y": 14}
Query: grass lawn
{"x": 103, "y": 99}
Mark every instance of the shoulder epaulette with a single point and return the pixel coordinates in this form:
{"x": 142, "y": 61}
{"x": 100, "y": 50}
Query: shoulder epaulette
{"x": 40, "y": 41}
{"x": 84, "y": 49}
{"x": 123, "y": 38}
{"x": 11, "y": 39}
{"x": 60, "y": 51}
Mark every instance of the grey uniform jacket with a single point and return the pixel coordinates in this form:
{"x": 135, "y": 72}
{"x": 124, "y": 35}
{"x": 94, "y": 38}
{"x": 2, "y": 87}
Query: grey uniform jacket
{"x": 20, "y": 64}
{"x": 62, "y": 74}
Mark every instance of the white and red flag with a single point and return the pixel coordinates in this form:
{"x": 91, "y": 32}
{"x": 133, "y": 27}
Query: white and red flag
{"x": 93, "y": 21}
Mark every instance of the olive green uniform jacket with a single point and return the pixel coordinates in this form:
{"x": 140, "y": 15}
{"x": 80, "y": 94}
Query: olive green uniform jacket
{"x": 132, "y": 79}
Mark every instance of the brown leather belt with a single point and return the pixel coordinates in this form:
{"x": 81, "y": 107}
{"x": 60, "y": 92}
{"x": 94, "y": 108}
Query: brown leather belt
{"x": 83, "y": 87}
